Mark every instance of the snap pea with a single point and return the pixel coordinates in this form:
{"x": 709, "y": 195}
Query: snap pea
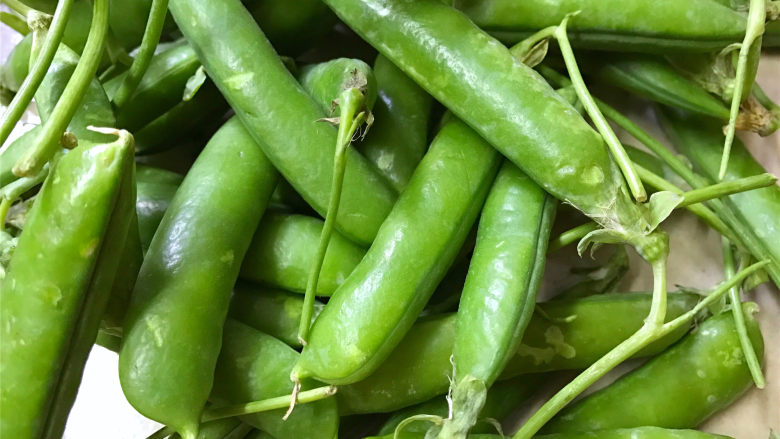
{"x": 16, "y": 66}
{"x": 155, "y": 189}
{"x": 419, "y": 368}
{"x": 702, "y": 374}
{"x": 399, "y": 136}
{"x": 283, "y": 249}
{"x": 56, "y": 286}
{"x": 326, "y": 80}
{"x": 643, "y": 25}
{"x": 124, "y": 282}
{"x": 254, "y": 366}
{"x": 244, "y": 66}
{"x": 412, "y": 251}
{"x": 623, "y": 433}
{"x": 183, "y": 288}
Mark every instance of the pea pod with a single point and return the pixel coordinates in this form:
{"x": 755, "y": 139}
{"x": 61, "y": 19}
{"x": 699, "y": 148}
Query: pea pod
{"x": 399, "y": 136}
{"x": 127, "y": 21}
{"x": 710, "y": 364}
{"x": 642, "y": 25}
{"x": 156, "y": 188}
{"x": 56, "y": 286}
{"x": 254, "y": 366}
{"x": 292, "y": 27}
{"x": 283, "y": 249}
{"x": 228, "y": 428}
{"x": 173, "y": 330}
{"x": 419, "y": 368}
{"x": 325, "y": 81}
{"x": 244, "y": 66}
{"x": 623, "y": 433}
{"x": 16, "y": 66}
{"x": 417, "y": 243}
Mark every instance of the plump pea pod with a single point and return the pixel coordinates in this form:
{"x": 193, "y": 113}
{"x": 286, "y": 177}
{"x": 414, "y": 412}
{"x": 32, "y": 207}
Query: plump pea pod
{"x": 643, "y": 25}
{"x": 325, "y": 81}
{"x": 413, "y": 250}
{"x": 623, "y": 433}
{"x": 399, "y": 136}
{"x": 758, "y": 209}
{"x": 173, "y": 330}
{"x": 16, "y": 66}
{"x": 703, "y": 373}
{"x": 239, "y": 59}
{"x": 254, "y": 366}
{"x": 273, "y": 312}
{"x": 155, "y": 190}
{"x": 419, "y": 368}
{"x": 57, "y": 283}
{"x": 14, "y": 151}
{"x": 283, "y": 249}
{"x": 515, "y": 111}
{"x": 501, "y": 401}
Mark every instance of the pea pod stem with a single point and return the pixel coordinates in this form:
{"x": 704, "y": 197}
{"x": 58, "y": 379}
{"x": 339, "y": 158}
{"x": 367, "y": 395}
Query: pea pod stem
{"x": 151, "y": 38}
{"x": 755, "y": 28}
{"x": 351, "y": 116}
{"x": 48, "y": 141}
{"x": 739, "y": 318}
{"x": 615, "y": 147}
{"x": 30, "y": 84}
{"x": 570, "y": 236}
{"x": 18, "y": 7}
{"x": 652, "y": 330}
{"x": 14, "y": 22}
{"x": 726, "y": 188}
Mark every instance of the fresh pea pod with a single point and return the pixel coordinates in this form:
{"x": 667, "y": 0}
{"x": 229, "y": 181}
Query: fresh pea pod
{"x": 56, "y": 286}
{"x": 703, "y": 373}
{"x": 124, "y": 282}
{"x": 624, "y": 433}
{"x": 325, "y": 81}
{"x": 173, "y": 330}
{"x": 397, "y": 140}
{"x": 276, "y": 313}
{"x": 283, "y": 249}
{"x": 419, "y": 368}
{"x": 155, "y": 190}
{"x": 372, "y": 310}
{"x": 127, "y": 21}
{"x": 639, "y": 26}
{"x": 16, "y": 66}
{"x": 244, "y": 66}
{"x": 254, "y": 366}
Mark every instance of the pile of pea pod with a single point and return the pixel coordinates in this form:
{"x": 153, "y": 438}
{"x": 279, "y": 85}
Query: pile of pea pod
{"x": 333, "y": 218}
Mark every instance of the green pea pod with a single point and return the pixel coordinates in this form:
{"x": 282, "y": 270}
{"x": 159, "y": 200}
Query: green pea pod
{"x": 276, "y": 313}
{"x": 124, "y": 282}
{"x": 325, "y": 81}
{"x": 56, "y": 286}
{"x": 708, "y": 361}
{"x": 501, "y": 402}
{"x": 283, "y": 249}
{"x": 292, "y": 27}
{"x": 759, "y": 209}
{"x": 173, "y": 329}
{"x": 625, "y": 433}
{"x": 419, "y": 368}
{"x": 221, "y": 429}
{"x": 397, "y": 140}
{"x": 638, "y": 26}
{"x": 160, "y": 89}
{"x": 156, "y": 188}
{"x": 250, "y": 75}
{"x": 413, "y": 250}
{"x": 127, "y": 21}
{"x": 10, "y": 155}
{"x": 254, "y": 366}
{"x": 16, "y": 66}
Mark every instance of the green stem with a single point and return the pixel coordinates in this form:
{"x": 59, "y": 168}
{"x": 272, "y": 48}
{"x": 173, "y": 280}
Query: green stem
{"x": 5, "y": 204}
{"x": 36, "y": 74}
{"x": 570, "y": 236}
{"x": 18, "y": 7}
{"x": 616, "y": 148}
{"x": 14, "y": 22}
{"x": 151, "y": 38}
{"x": 763, "y": 99}
{"x": 755, "y": 28}
{"x": 351, "y": 102}
{"x": 12, "y": 191}
{"x": 739, "y": 318}
{"x": 48, "y": 141}
{"x": 726, "y": 188}
{"x": 521, "y": 49}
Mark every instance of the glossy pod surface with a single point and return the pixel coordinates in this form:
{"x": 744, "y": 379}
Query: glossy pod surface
{"x": 250, "y": 75}
{"x": 374, "y": 308}
{"x": 155, "y": 190}
{"x": 173, "y": 330}
{"x": 702, "y": 374}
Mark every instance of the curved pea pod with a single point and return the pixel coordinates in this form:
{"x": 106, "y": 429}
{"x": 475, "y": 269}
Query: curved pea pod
{"x": 160, "y": 89}
{"x": 502, "y": 99}
{"x": 173, "y": 330}
{"x": 250, "y": 75}
{"x": 374, "y": 308}
{"x": 254, "y": 366}
{"x": 155, "y": 190}
{"x": 57, "y": 285}
{"x": 325, "y": 81}
{"x": 273, "y": 312}
{"x": 501, "y": 401}
{"x": 701, "y": 141}
{"x": 623, "y": 433}
{"x": 419, "y": 368}
{"x": 397, "y": 140}
{"x": 16, "y": 66}
{"x": 292, "y": 27}
{"x": 283, "y": 249}
{"x": 641, "y": 25}
{"x": 704, "y": 373}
